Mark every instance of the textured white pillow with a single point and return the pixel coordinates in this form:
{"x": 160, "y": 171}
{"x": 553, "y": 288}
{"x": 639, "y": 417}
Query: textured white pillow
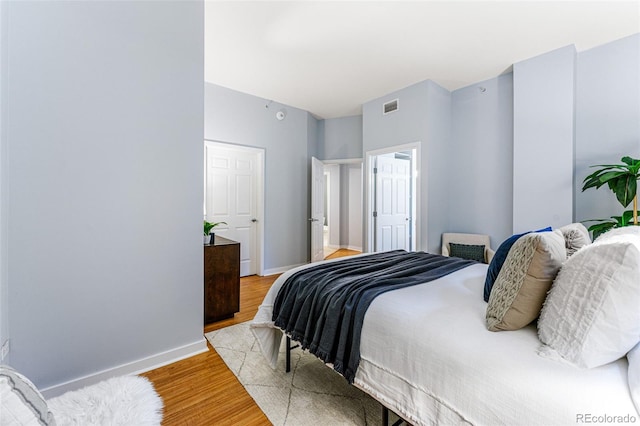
{"x": 20, "y": 401}
{"x": 634, "y": 375}
{"x": 591, "y": 316}
{"x": 615, "y": 232}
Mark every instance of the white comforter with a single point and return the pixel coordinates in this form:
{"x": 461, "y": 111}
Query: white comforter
{"x": 427, "y": 355}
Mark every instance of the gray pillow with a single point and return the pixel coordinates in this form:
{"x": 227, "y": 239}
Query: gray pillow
{"x": 575, "y": 236}
{"x": 467, "y": 251}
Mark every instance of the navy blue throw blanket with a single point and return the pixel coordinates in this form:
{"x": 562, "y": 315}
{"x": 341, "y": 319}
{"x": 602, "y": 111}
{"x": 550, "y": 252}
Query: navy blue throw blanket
{"x": 323, "y": 306}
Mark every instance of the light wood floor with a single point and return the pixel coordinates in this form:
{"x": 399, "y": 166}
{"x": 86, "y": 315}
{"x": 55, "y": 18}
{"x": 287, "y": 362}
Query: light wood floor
{"x": 201, "y": 390}
{"x": 342, "y": 253}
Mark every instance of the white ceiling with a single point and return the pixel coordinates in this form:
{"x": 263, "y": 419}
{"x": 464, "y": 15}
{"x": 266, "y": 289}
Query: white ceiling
{"x": 330, "y": 57}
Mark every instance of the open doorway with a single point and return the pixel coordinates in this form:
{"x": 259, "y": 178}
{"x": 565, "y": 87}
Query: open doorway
{"x": 393, "y": 198}
{"x": 343, "y": 206}
{"x": 337, "y": 203}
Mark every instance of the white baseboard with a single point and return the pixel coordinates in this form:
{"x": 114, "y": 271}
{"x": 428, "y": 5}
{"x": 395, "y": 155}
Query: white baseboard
{"x": 354, "y": 248}
{"x": 132, "y": 368}
{"x": 280, "y": 270}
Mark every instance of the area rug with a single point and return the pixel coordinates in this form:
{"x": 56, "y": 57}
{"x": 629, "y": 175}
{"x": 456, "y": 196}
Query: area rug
{"x": 311, "y": 394}
{"x": 119, "y": 401}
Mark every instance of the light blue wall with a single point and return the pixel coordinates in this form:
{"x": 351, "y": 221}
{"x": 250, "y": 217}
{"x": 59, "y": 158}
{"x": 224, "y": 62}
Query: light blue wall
{"x": 517, "y": 153}
{"x": 341, "y": 138}
{"x": 243, "y": 119}
{"x": 607, "y": 119}
{"x": 351, "y": 206}
{"x": 4, "y": 195}
{"x": 407, "y": 124}
{"x": 437, "y": 156}
{"x": 424, "y": 115}
{"x": 313, "y": 138}
{"x": 480, "y": 181}
{"x": 604, "y": 107}
{"x": 543, "y": 142}
{"x": 105, "y": 156}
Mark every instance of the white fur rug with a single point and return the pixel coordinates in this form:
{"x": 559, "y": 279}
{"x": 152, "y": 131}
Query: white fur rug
{"x": 127, "y": 400}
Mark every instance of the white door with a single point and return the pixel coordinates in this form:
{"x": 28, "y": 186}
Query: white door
{"x": 317, "y": 210}
{"x": 393, "y": 203}
{"x": 231, "y": 196}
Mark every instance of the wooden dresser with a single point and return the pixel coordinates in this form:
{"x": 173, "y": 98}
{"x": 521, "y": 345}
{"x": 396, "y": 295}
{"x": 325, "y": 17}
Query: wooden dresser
{"x": 221, "y": 279}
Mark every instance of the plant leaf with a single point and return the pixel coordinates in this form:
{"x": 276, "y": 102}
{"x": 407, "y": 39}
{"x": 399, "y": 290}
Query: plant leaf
{"x": 625, "y": 189}
{"x": 593, "y": 180}
{"x": 606, "y": 177}
{"x": 633, "y": 165}
{"x": 627, "y": 217}
{"x": 601, "y": 228}
{"x": 609, "y": 166}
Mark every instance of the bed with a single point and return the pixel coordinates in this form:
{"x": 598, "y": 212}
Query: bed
{"x": 427, "y": 355}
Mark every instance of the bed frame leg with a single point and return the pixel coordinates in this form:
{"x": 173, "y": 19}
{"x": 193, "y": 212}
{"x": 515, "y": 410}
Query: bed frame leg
{"x": 385, "y": 418}
{"x": 288, "y": 364}
{"x": 288, "y": 360}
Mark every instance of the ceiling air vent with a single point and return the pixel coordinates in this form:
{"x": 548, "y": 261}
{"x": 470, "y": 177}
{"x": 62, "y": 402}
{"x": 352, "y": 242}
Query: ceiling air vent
{"x": 390, "y": 107}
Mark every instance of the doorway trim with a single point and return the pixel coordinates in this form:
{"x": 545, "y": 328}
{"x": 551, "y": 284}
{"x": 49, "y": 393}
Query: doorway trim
{"x": 369, "y": 195}
{"x": 260, "y": 153}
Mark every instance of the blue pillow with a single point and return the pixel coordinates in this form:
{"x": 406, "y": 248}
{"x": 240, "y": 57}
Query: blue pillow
{"x": 498, "y": 260}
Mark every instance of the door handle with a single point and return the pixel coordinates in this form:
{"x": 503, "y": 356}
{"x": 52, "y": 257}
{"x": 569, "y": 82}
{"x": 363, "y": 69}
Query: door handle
{"x": 311, "y": 219}
{"x": 254, "y": 220}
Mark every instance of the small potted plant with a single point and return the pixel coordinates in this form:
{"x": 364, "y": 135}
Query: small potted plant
{"x": 208, "y": 235}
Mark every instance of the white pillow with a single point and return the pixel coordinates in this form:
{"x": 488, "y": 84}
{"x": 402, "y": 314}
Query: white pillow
{"x": 575, "y": 236}
{"x": 591, "y": 316}
{"x": 20, "y": 401}
{"x": 634, "y": 375}
{"x": 615, "y": 232}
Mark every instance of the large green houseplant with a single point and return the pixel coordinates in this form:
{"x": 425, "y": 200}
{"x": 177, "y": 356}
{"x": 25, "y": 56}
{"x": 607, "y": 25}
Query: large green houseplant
{"x": 622, "y": 179}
